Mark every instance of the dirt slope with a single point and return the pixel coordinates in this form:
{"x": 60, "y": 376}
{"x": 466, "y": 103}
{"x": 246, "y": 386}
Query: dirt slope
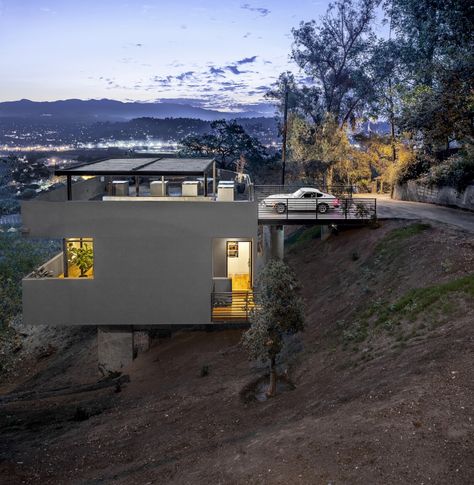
{"x": 384, "y": 384}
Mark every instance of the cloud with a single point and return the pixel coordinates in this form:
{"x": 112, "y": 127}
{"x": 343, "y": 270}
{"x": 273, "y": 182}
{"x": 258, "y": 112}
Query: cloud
{"x": 246, "y": 60}
{"x": 234, "y": 70}
{"x": 217, "y": 71}
{"x": 260, "y": 10}
{"x": 163, "y": 81}
{"x": 184, "y": 75}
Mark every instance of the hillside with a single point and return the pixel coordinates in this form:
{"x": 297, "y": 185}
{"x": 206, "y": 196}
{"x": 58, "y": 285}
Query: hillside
{"x": 384, "y": 386}
{"x": 112, "y": 110}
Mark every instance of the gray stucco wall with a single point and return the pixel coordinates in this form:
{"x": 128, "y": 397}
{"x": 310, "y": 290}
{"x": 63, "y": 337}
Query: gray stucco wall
{"x": 81, "y": 190}
{"x": 153, "y": 260}
{"x": 435, "y": 195}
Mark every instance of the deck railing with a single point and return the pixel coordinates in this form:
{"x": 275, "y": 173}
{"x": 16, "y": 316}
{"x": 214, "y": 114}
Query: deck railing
{"x": 234, "y": 306}
{"x": 344, "y": 209}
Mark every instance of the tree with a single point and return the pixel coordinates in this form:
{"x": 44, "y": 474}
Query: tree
{"x": 337, "y": 54}
{"x": 227, "y": 142}
{"x": 278, "y": 313}
{"x": 319, "y": 149}
{"x": 435, "y": 56}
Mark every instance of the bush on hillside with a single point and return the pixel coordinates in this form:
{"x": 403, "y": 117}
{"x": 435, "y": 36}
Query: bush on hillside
{"x": 18, "y": 257}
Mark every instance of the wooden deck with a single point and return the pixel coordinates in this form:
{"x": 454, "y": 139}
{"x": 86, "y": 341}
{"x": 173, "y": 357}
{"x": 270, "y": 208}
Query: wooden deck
{"x": 233, "y": 307}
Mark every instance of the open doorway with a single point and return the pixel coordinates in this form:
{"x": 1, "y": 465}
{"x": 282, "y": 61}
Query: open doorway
{"x": 239, "y": 264}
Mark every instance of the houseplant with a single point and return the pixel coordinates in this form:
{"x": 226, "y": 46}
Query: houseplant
{"x": 82, "y": 257}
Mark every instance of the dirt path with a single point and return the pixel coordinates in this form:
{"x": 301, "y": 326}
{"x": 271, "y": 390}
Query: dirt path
{"x": 398, "y": 209}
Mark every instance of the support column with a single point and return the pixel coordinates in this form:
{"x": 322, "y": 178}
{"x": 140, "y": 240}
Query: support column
{"x": 141, "y": 342}
{"x": 214, "y": 175}
{"x": 277, "y": 242}
{"x": 325, "y": 232}
{"x": 114, "y": 348}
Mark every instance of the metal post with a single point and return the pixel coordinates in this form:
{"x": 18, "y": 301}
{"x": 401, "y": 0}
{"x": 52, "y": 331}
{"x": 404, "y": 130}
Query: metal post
{"x": 285, "y": 130}
{"x": 65, "y": 262}
{"x": 205, "y": 184}
{"x": 214, "y": 178}
{"x": 163, "y": 186}
{"x": 137, "y": 185}
{"x": 69, "y": 187}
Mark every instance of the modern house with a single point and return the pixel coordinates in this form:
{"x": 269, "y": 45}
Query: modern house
{"x": 150, "y": 242}
{"x": 146, "y": 242}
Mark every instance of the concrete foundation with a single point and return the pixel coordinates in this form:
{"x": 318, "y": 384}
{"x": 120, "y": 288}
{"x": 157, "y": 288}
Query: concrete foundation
{"x": 115, "y": 348}
{"x": 141, "y": 342}
{"x": 277, "y": 242}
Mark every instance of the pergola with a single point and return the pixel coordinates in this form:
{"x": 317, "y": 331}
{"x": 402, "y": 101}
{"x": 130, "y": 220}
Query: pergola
{"x": 143, "y": 167}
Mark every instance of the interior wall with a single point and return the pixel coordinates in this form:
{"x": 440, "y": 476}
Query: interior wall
{"x": 240, "y": 264}
{"x": 219, "y": 260}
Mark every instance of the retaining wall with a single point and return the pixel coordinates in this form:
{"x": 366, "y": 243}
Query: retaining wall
{"x": 448, "y": 196}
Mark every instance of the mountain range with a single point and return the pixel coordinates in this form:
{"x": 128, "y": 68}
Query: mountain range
{"x": 111, "y": 110}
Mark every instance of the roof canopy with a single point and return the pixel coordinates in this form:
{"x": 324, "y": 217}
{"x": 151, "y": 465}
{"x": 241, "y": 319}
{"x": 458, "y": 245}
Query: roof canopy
{"x": 141, "y": 167}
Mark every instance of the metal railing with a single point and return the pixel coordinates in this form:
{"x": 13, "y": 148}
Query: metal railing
{"x": 343, "y": 209}
{"x": 234, "y": 306}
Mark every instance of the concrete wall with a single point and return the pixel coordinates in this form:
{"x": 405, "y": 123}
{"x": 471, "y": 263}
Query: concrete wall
{"x": 152, "y": 260}
{"x": 81, "y": 190}
{"x": 434, "y": 195}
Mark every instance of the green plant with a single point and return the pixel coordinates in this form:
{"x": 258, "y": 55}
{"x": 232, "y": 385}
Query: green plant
{"x": 278, "y": 314}
{"x": 82, "y": 257}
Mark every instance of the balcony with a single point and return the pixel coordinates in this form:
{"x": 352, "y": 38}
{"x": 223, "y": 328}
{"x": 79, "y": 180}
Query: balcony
{"x": 232, "y": 307}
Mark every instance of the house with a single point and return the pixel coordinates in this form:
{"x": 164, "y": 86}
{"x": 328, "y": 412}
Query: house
{"x": 146, "y": 242}
{"x": 158, "y": 242}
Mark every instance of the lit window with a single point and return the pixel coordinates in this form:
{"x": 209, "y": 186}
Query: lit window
{"x": 79, "y": 257}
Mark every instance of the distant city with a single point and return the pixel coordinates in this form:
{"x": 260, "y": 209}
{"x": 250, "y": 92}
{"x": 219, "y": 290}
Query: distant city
{"x": 31, "y": 130}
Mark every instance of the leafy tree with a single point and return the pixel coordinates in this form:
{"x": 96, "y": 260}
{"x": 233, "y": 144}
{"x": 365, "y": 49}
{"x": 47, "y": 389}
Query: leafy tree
{"x": 435, "y": 56}
{"x": 338, "y": 54}
{"x": 227, "y": 141}
{"x": 278, "y": 313}
{"x": 319, "y": 149}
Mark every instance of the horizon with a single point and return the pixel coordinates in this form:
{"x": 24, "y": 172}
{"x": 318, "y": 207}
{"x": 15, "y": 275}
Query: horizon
{"x": 229, "y": 68}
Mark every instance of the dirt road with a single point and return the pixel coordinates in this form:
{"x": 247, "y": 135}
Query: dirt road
{"x": 398, "y": 209}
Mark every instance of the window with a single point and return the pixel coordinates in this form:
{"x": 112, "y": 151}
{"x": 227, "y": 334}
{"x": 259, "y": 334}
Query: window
{"x": 78, "y": 257}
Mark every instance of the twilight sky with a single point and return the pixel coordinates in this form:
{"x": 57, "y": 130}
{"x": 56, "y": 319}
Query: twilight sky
{"x": 218, "y": 53}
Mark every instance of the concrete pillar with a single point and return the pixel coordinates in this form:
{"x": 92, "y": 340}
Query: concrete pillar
{"x": 141, "y": 342}
{"x": 115, "y": 348}
{"x": 325, "y": 232}
{"x": 277, "y": 242}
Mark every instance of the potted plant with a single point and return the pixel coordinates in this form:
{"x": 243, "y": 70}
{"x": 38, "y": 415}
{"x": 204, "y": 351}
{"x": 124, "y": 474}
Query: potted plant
{"x": 82, "y": 257}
